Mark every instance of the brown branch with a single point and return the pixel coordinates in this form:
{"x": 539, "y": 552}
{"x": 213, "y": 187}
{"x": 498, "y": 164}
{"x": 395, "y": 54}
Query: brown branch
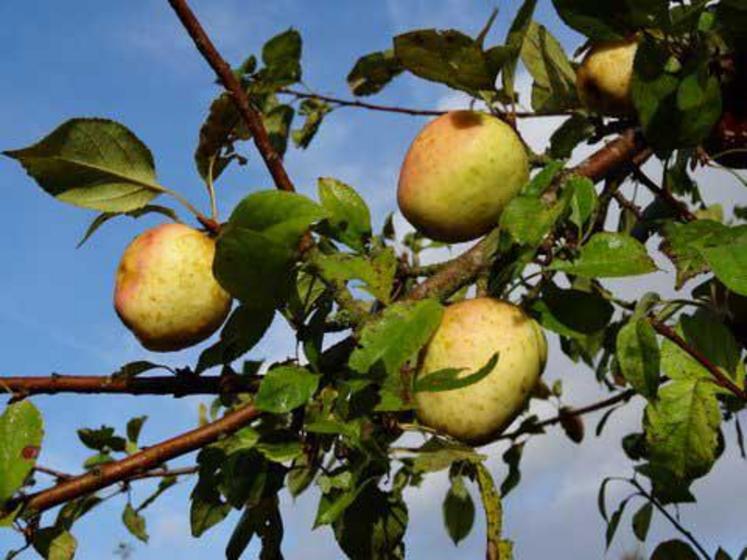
{"x": 718, "y": 376}
{"x": 611, "y": 158}
{"x": 678, "y": 206}
{"x": 177, "y": 386}
{"x": 580, "y": 411}
{"x": 251, "y": 116}
{"x": 138, "y": 464}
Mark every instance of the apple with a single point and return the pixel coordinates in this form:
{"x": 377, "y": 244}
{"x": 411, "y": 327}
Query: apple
{"x": 460, "y": 172}
{"x": 165, "y": 291}
{"x": 470, "y": 332}
{"x": 604, "y": 76}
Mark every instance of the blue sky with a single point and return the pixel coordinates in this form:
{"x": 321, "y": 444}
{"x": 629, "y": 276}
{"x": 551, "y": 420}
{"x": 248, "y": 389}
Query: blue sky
{"x": 132, "y": 62}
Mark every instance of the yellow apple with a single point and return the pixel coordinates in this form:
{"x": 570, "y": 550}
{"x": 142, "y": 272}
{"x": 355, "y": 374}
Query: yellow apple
{"x": 460, "y": 172}
{"x": 603, "y": 79}
{"x": 165, "y": 290}
{"x": 470, "y": 332}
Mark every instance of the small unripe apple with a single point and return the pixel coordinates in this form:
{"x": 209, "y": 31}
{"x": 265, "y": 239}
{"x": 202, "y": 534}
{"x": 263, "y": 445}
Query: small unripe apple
{"x": 460, "y": 172}
{"x": 165, "y": 290}
{"x": 470, "y": 332}
{"x": 604, "y": 77}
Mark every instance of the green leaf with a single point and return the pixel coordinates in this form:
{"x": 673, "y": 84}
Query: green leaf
{"x": 373, "y": 526}
{"x": 614, "y": 522}
{"x": 682, "y": 428}
{"x": 528, "y": 218}
{"x": 349, "y": 219}
{"x": 711, "y": 338}
{"x": 284, "y": 388}
{"x": 554, "y": 87}
{"x": 642, "y": 521}
{"x": 135, "y": 523}
{"x": 282, "y": 58}
{"x": 377, "y": 273}
{"x": 608, "y": 255}
{"x": 450, "y": 378}
{"x": 263, "y": 520}
{"x": 512, "y": 458}
{"x": 264, "y": 230}
{"x": 333, "y": 505}
{"x": 314, "y": 110}
{"x": 491, "y": 502}
{"x": 53, "y": 543}
{"x": 244, "y": 329}
{"x": 101, "y": 219}
{"x": 674, "y": 550}
{"x": 572, "y": 312}
{"x": 206, "y": 509}
{"x": 458, "y": 510}
{"x": 728, "y": 260}
{"x": 396, "y": 336}
{"x": 638, "y": 355}
{"x": 280, "y": 451}
{"x": 514, "y": 42}
{"x": 134, "y": 426}
{"x": 133, "y": 369}
{"x": 222, "y": 127}
{"x": 92, "y": 163}
{"x": 101, "y": 439}
{"x": 584, "y": 200}
{"x": 21, "y": 432}
{"x": 435, "y": 455}
{"x": 614, "y": 19}
{"x": 373, "y": 72}
{"x": 570, "y": 134}
{"x": 682, "y": 242}
{"x": 74, "y": 510}
{"x": 282, "y": 216}
{"x": 277, "y": 122}
{"x": 448, "y": 57}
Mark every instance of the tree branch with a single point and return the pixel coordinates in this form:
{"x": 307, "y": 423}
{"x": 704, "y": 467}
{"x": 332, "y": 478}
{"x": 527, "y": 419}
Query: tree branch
{"x": 251, "y": 116}
{"x": 392, "y": 109}
{"x": 461, "y": 270}
{"x": 178, "y": 386}
{"x": 624, "y": 396}
{"x": 682, "y": 210}
{"x": 138, "y": 464}
{"x": 718, "y": 376}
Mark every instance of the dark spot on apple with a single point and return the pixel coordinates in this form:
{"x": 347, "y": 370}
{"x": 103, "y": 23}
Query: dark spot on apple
{"x": 30, "y": 452}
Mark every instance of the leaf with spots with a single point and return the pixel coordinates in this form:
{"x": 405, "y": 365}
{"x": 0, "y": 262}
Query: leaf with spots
{"x": 21, "y": 431}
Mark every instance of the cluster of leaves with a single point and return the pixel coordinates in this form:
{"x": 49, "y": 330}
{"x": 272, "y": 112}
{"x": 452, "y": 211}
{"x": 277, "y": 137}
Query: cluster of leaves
{"x": 333, "y": 418}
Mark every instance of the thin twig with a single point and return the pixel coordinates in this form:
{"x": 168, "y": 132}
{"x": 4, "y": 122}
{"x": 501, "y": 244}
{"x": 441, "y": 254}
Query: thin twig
{"x": 392, "y": 109}
{"x": 687, "y": 534}
{"x": 682, "y": 210}
{"x": 718, "y": 376}
{"x": 580, "y": 411}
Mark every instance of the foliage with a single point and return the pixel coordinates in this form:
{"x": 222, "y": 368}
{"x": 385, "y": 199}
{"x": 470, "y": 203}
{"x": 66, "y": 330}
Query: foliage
{"x": 333, "y": 413}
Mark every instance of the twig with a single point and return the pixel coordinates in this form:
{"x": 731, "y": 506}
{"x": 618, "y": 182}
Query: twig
{"x": 229, "y": 80}
{"x": 580, "y": 411}
{"x": 718, "y": 376}
{"x": 392, "y": 109}
{"x": 138, "y": 463}
{"x": 161, "y": 385}
{"x": 156, "y": 473}
{"x": 628, "y": 205}
{"x": 687, "y": 534}
{"x": 682, "y": 210}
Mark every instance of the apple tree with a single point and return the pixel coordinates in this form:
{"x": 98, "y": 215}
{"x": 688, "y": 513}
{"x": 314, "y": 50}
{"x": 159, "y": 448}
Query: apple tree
{"x": 387, "y": 345}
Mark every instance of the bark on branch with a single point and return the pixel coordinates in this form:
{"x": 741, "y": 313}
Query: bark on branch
{"x": 137, "y": 464}
{"x": 177, "y": 386}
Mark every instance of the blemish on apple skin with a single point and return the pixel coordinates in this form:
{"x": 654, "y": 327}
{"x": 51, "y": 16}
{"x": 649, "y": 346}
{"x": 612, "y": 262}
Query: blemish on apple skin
{"x": 30, "y": 452}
